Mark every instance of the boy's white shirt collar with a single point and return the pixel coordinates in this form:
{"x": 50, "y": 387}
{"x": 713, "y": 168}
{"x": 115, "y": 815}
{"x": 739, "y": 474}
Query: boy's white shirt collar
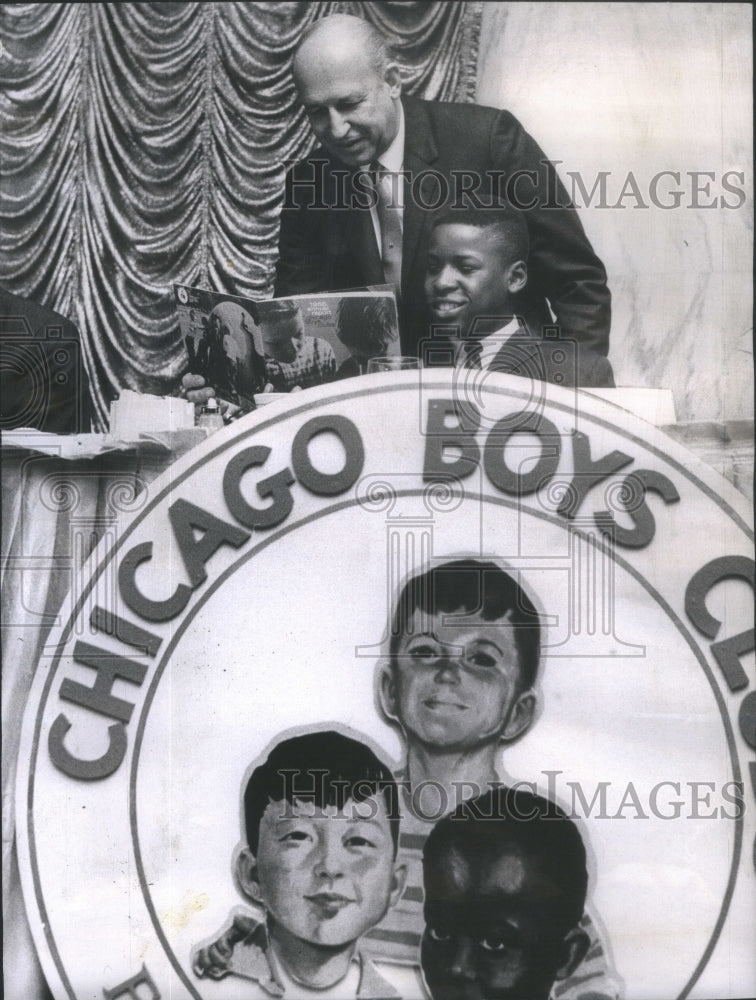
{"x": 347, "y": 987}
{"x": 492, "y": 343}
{"x": 255, "y": 959}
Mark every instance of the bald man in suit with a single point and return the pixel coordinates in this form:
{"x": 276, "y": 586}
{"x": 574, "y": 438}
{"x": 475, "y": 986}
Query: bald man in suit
{"x": 334, "y": 233}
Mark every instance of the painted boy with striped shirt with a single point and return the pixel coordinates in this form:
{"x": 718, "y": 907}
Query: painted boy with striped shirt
{"x": 459, "y": 682}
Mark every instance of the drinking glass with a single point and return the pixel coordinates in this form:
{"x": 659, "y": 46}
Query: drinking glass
{"x": 392, "y": 363}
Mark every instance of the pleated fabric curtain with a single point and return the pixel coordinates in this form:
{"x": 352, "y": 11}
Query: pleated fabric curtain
{"x": 143, "y": 144}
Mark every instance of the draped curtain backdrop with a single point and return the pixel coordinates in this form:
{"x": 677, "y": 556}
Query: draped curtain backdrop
{"x": 144, "y": 144}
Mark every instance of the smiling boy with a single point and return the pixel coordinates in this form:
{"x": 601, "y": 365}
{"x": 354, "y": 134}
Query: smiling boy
{"x": 476, "y": 264}
{"x": 475, "y": 270}
{"x": 321, "y": 832}
{"x": 459, "y": 681}
{"x": 505, "y": 883}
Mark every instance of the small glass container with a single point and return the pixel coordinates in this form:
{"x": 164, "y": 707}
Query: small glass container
{"x": 210, "y": 416}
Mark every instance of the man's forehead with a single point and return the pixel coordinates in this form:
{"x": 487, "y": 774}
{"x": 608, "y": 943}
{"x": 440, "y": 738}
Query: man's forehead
{"x": 324, "y": 75}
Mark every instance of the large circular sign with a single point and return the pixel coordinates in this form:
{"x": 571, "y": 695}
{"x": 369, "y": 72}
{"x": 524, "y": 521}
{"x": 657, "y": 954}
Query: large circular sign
{"x": 252, "y": 597}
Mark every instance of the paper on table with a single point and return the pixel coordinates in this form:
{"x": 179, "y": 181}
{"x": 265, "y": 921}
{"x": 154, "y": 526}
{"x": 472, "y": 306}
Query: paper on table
{"x": 78, "y": 446}
{"x": 134, "y": 412}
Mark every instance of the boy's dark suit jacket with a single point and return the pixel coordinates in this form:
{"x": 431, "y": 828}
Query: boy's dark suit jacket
{"x": 326, "y": 245}
{"x": 546, "y": 359}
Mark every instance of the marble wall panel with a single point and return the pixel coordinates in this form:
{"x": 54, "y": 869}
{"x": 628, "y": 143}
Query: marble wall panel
{"x": 644, "y": 88}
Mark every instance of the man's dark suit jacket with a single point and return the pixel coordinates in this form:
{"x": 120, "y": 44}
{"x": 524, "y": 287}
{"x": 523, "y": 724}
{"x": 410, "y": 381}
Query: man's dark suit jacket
{"x": 43, "y": 381}
{"x": 326, "y": 245}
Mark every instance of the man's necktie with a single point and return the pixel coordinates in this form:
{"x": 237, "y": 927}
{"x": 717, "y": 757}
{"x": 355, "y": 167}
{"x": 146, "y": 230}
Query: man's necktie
{"x": 390, "y": 222}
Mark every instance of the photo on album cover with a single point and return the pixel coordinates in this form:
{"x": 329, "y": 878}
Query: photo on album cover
{"x": 241, "y": 345}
